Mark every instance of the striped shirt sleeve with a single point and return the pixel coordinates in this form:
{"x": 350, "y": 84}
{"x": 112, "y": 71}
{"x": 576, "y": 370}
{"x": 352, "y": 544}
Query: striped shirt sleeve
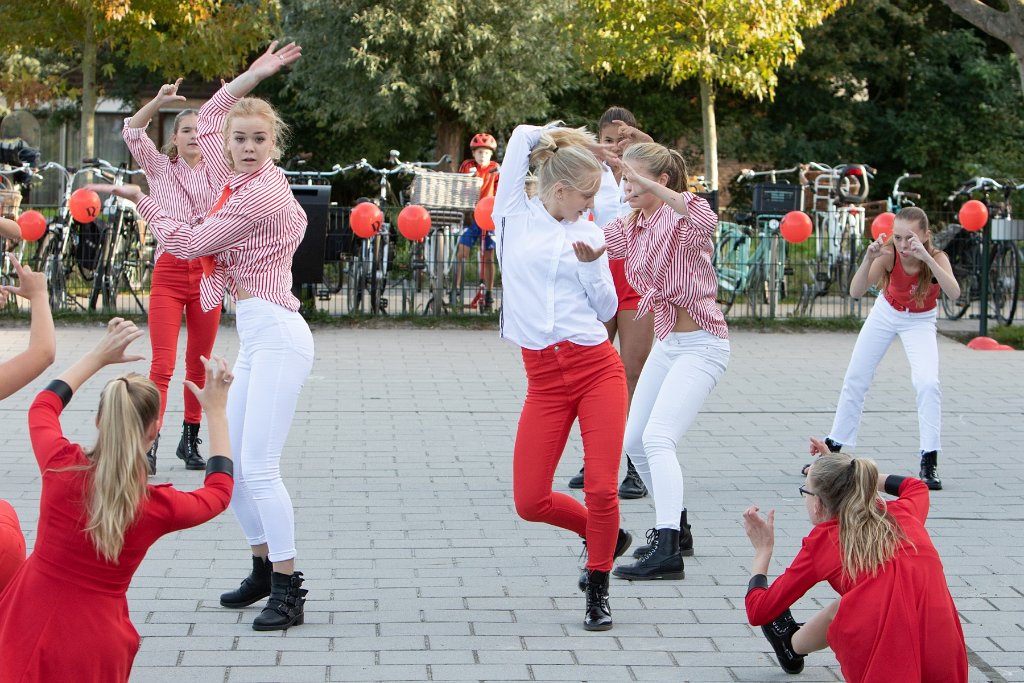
{"x": 210, "y": 128}
{"x": 144, "y": 151}
{"x": 697, "y": 228}
{"x": 615, "y": 238}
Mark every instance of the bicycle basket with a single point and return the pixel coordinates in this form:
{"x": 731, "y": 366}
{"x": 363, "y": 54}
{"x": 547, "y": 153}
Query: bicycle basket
{"x": 10, "y": 199}
{"x": 776, "y": 198}
{"x": 445, "y": 190}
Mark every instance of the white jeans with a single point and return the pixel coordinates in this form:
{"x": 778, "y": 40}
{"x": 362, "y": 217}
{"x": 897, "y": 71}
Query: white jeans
{"x": 274, "y": 360}
{"x": 677, "y": 377}
{"x": 917, "y": 332}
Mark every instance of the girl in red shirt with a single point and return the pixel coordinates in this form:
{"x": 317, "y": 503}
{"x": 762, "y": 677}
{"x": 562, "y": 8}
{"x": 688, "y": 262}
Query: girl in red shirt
{"x": 64, "y": 616}
{"x": 895, "y": 619}
{"x": 179, "y": 182}
{"x": 911, "y": 271}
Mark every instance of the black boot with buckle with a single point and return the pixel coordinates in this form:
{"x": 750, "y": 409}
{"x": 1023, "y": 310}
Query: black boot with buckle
{"x": 254, "y": 587}
{"x": 151, "y": 456}
{"x": 188, "y": 447}
{"x": 285, "y": 607}
{"x": 599, "y": 613}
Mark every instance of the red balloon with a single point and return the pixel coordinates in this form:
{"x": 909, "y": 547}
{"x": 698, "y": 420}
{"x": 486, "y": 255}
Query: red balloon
{"x": 973, "y": 215}
{"x": 84, "y": 205}
{"x": 414, "y": 222}
{"x": 366, "y": 219}
{"x": 482, "y": 214}
{"x": 882, "y": 225}
{"x": 796, "y": 227}
{"x": 32, "y": 224}
{"x": 983, "y": 343}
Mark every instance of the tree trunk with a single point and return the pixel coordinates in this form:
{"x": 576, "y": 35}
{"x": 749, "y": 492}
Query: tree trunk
{"x": 1005, "y": 25}
{"x": 86, "y": 141}
{"x": 707, "y": 108}
{"x": 451, "y": 134}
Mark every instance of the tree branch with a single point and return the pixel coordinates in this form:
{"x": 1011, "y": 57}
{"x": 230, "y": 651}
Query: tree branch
{"x": 988, "y": 19}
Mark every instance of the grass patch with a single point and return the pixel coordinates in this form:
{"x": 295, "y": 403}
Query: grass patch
{"x": 798, "y": 324}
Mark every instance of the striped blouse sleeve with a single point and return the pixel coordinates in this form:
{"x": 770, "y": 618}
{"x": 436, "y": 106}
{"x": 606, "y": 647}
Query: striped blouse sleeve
{"x": 697, "y": 228}
{"x": 144, "y": 151}
{"x": 615, "y": 238}
{"x": 210, "y": 128}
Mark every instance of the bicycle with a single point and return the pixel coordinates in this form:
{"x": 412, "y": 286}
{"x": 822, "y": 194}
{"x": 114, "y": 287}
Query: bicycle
{"x": 122, "y": 262}
{"x": 964, "y": 249}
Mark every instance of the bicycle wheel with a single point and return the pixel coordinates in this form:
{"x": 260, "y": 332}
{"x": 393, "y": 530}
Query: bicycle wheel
{"x": 101, "y": 274}
{"x": 727, "y": 292}
{"x": 773, "y": 276}
{"x": 756, "y": 291}
{"x": 1004, "y": 279}
{"x": 955, "y": 308}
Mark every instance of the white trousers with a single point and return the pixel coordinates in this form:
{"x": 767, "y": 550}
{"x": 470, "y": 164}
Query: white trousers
{"x": 274, "y": 360}
{"x": 917, "y": 332}
{"x": 677, "y": 377}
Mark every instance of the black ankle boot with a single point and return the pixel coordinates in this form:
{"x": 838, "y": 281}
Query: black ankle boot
{"x": 188, "y": 447}
{"x": 284, "y": 609}
{"x": 662, "y": 561}
{"x": 254, "y": 587}
{"x": 685, "y": 539}
{"x": 599, "y": 613}
{"x": 930, "y": 470}
{"x": 151, "y": 456}
{"x": 622, "y": 543}
{"x": 632, "y": 487}
{"x": 577, "y": 481}
{"x": 780, "y": 634}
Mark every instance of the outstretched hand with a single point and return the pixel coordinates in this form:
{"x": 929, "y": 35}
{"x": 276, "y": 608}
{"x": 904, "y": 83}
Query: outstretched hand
{"x": 586, "y": 253}
{"x": 760, "y": 530}
{"x": 213, "y": 396}
{"x": 629, "y": 135}
{"x": 112, "y": 348}
{"x": 132, "y": 193}
{"x": 273, "y": 60}
{"x": 169, "y": 92}
{"x": 30, "y": 283}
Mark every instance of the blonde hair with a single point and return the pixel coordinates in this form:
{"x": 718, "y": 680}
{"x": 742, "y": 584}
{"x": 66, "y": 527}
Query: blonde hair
{"x": 254, "y": 106}
{"x": 913, "y": 214}
{"x": 561, "y": 156}
{"x": 659, "y": 159}
{"x": 848, "y": 489}
{"x": 170, "y": 149}
{"x": 129, "y": 405}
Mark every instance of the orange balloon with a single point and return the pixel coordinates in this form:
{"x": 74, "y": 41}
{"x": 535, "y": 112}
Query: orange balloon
{"x": 483, "y": 213}
{"x": 983, "y": 343}
{"x": 882, "y": 225}
{"x": 973, "y": 215}
{"x": 796, "y": 227}
{"x": 84, "y": 205}
{"x": 32, "y": 224}
{"x": 366, "y": 219}
{"x": 414, "y": 222}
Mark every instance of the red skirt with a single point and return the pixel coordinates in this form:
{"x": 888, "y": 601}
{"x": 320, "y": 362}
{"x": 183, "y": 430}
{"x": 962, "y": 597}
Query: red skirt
{"x": 629, "y": 300}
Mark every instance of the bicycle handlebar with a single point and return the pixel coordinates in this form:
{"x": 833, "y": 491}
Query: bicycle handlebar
{"x": 750, "y": 174}
{"x": 104, "y": 165}
{"x": 975, "y": 184}
{"x": 335, "y": 170}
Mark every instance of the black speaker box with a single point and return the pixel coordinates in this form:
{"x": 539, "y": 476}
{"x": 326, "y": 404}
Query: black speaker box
{"x": 308, "y": 263}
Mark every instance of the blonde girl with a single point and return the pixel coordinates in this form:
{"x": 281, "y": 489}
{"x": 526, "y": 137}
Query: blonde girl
{"x": 895, "y": 620}
{"x": 911, "y": 272}
{"x": 558, "y": 292}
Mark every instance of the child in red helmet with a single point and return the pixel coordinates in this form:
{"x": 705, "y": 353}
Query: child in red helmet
{"x": 482, "y": 146}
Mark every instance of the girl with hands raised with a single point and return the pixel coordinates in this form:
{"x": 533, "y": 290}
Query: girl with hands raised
{"x": 911, "y": 272}
{"x": 895, "y": 619}
{"x": 64, "y": 615}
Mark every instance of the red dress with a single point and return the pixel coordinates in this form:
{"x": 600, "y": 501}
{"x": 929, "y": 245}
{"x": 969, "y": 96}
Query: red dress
{"x": 899, "y": 625}
{"x": 64, "y": 616}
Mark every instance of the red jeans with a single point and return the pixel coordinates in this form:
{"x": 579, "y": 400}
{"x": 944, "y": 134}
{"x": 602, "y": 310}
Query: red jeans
{"x": 176, "y": 287}
{"x": 566, "y": 381}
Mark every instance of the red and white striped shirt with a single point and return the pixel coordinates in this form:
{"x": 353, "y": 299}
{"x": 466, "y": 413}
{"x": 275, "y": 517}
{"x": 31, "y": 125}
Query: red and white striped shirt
{"x": 182, "y": 191}
{"x": 253, "y": 237}
{"x": 668, "y": 262}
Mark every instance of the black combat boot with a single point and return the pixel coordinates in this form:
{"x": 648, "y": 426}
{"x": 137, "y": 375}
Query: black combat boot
{"x": 780, "y": 634}
{"x": 188, "y": 447}
{"x": 284, "y": 609}
{"x": 685, "y": 539}
{"x": 930, "y": 470}
{"x": 577, "y": 481}
{"x": 254, "y": 587}
{"x": 599, "y": 613}
{"x": 662, "y": 561}
{"x": 151, "y": 456}
{"x": 632, "y": 487}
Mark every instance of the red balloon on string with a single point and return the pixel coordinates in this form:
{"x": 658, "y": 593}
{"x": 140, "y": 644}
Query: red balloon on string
{"x": 483, "y": 214}
{"x": 796, "y": 227}
{"x": 32, "y": 224}
{"x": 882, "y": 225}
{"x": 414, "y": 222}
{"x": 366, "y": 219}
{"x": 84, "y": 205}
{"x": 973, "y": 215}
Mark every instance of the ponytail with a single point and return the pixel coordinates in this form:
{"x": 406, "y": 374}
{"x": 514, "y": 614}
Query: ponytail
{"x": 129, "y": 406}
{"x": 868, "y": 535}
{"x": 170, "y": 149}
{"x": 562, "y": 156}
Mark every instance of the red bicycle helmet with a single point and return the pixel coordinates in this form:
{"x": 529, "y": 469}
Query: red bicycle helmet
{"x": 483, "y": 140}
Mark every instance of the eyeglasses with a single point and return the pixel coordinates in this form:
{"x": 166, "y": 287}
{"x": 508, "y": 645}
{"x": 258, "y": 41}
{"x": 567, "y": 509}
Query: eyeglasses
{"x": 805, "y": 492}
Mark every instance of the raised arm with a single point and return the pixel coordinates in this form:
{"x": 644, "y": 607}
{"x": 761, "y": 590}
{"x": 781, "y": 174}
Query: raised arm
{"x": 878, "y": 258}
{"x": 134, "y": 132}
{"x": 696, "y": 221}
{"x": 42, "y": 342}
{"x": 265, "y": 66}
{"x": 511, "y": 195}
{"x": 111, "y": 349}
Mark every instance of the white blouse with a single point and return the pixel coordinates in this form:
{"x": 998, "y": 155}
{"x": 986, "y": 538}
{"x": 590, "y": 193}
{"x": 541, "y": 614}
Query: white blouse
{"x": 548, "y": 295}
{"x": 610, "y": 200}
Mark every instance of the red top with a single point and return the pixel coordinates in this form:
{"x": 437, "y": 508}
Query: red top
{"x": 900, "y": 292}
{"x": 64, "y": 616}
{"x": 183, "y": 192}
{"x": 488, "y": 173}
{"x": 668, "y": 261}
{"x": 253, "y": 237}
{"x": 899, "y": 625}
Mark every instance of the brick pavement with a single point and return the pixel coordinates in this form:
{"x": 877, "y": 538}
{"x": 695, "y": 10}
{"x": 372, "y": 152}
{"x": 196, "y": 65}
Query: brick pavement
{"x": 419, "y": 569}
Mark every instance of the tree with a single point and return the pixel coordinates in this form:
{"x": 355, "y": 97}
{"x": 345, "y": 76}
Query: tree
{"x": 465, "y": 64}
{"x": 1006, "y": 25}
{"x": 169, "y": 37}
{"x": 738, "y": 44}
